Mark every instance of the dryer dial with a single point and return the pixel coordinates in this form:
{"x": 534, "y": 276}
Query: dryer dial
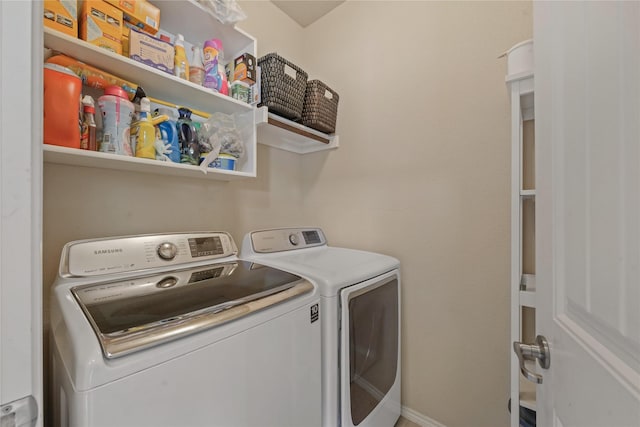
{"x": 293, "y": 239}
{"x": 167, "y": 251}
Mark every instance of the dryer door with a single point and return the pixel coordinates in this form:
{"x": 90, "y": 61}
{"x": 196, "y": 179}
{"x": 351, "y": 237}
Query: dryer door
{"x": 370, "y": 352}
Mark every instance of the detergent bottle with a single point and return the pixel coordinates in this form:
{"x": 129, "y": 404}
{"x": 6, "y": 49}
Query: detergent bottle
{"x": 188, "y": 137}
{"x": 117, "y": 112}
{"x": 212, "y": 50}
{"x": 169, "y": 133}
{"x": 88, "y": 132}
{"x": 143, "y": 133}
{"x": 196, "y": 68}
{"x": 181, "y": 65}
{"x": 61, "y": 106}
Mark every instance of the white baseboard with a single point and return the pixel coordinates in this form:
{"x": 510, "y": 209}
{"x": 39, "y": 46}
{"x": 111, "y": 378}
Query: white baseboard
{"x": 420, "y": 419}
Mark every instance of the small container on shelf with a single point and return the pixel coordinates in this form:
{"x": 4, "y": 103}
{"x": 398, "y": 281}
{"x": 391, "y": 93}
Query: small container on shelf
{"x": 62, "y": 88}
{"x": 283, "y": 86}
{"x": 320, "y": 107}
{"x": 101, "y": 25}
{"x": 244, "y": 69}
{"x": 139, "y": 13}
{"x": 61, "y": 16}
{"x": 240, "y": 91}
{"x": 151, "y": 51}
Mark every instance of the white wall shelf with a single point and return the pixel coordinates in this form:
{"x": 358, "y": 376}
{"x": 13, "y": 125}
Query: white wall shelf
{"x": 156, "y": 83}
{"x": 197, "y": 25}
{"x": 528, "y": 389}
{"x": 528, "y": 290}
{"x": 278, "y": 132}
{"x": 96, "y": 159}
{"x": 523, "y": 286}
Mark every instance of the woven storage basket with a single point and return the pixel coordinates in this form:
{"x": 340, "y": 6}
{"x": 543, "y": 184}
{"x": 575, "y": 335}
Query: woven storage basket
{"x": 281, "y": 93}
{"x": 320, "y": 107}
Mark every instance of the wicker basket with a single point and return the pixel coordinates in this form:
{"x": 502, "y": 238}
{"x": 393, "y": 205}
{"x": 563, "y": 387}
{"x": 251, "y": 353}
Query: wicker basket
{"x": 320, "y": 107}
{"x": 281, "y": 93}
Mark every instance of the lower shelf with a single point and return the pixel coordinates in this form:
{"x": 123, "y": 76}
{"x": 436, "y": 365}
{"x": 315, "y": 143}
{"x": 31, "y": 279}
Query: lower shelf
{"x": 95, "y": 159}
{"x": 278, "y": 132}
{"x": 527, "y": 393}
{"x": 528, "y": 290}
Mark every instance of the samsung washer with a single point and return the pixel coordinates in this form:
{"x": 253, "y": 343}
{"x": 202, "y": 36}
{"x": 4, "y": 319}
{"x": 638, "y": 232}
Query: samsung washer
{"x": 360, "y": 316}
{"x": 174, "y": 330}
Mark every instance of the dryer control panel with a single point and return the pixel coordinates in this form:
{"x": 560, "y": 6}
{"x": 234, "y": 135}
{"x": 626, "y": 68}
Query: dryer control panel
{"x": 122, "y": 254}
{"x": 286, "y": 239}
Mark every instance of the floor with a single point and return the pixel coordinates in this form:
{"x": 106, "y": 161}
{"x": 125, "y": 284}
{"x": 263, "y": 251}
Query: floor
{"x": 403, "y": 422}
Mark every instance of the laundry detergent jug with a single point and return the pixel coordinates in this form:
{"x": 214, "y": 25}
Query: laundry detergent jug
{"x": 61, "y": 98}
{"x": 117, "y": 112}
{"x": 169, "y": 133}
{"x": 188, "y": 137}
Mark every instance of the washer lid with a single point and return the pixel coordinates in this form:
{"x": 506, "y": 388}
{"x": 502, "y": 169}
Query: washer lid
{"x": 144, "y": 311}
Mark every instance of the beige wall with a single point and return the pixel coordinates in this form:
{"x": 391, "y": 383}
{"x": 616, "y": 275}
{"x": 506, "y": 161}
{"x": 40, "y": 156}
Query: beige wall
{"x": 422, "y": 174}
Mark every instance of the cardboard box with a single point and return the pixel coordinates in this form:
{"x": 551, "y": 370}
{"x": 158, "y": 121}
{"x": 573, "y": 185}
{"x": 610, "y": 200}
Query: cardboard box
{"x": 126, "y": 30}
{"x": 240, "y": 91}
{"x": 61, "y": 15}
{"x": 139, "y": 13}
{"x": 245, "y": 68}
{"x": 149, "y": 50}
{"x": 101, "y": 25}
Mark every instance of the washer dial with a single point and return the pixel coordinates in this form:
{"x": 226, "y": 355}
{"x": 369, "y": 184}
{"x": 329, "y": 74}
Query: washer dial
{"x": 167, "y": 251}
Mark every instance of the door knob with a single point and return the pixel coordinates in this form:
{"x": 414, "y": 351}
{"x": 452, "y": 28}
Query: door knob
{"x": 539, "y": 350}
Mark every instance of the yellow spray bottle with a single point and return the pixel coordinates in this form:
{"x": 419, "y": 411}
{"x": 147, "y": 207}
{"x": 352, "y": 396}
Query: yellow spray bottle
{"x": 181, "y": 64}
{"x": 143, "y": 133}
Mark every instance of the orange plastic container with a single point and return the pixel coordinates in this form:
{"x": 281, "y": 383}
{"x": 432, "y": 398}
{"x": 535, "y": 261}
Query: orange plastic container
{"x": 62, "y": 90}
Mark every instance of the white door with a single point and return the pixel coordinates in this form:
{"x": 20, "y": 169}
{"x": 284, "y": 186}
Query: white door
{"x": 370, "y": 352}
{"x": 588, "y": 211}
{"x": 20, "y": 213}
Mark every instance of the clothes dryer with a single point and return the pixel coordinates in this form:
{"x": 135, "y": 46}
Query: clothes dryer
{"x": 360, "y": 317}
{"x": 174, "y": 330}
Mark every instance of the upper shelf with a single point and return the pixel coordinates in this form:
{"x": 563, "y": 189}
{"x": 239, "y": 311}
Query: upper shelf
{"x": 156, "y": 83}
{"x": 527, "y": 194}
{"x": 528, "y": 290}
{"x": 197, "y": 24}
{"x": 284, "y": 134}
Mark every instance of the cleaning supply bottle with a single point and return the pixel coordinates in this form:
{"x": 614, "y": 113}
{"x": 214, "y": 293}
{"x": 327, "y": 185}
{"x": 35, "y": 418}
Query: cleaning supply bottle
{"x": 188, "y": 137}
{"x": 212, "y": 49}
{"x": 224, "y": 83}
{"x": 169, "y": 133}
{"x": 88, "y": 132}
{"x": 196, "y": 68}
{"x": 143, "y": 133}
{"x": 181, "y": 64}
{"x": 117, "y": 112}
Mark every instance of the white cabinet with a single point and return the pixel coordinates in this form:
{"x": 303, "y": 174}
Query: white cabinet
{"x": 197, "y": 25}
{"x": 522, "y": 279}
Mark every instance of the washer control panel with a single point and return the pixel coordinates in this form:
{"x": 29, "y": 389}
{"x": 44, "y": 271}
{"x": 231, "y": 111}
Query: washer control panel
{"x": 121, "y": 254}
{"x": 167, "y": 250}
{"x": 286, "y": 239}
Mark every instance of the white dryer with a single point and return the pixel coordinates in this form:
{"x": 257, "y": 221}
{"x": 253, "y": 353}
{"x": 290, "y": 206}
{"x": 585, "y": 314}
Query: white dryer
{"x": 360, "y": 316}
{"x": 174, "y": 330}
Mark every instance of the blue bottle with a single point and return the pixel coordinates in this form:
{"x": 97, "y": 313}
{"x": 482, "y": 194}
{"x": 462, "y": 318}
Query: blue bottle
{"x": 169, "y": 133}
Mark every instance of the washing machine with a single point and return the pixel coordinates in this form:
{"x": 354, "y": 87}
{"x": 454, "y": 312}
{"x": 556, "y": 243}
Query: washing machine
{"x": 360, "y": 317}
{"x": 170, "y": 330}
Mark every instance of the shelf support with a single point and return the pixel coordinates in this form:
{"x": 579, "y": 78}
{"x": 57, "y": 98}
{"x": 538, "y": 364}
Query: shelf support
{"x": 301, "y": 132}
